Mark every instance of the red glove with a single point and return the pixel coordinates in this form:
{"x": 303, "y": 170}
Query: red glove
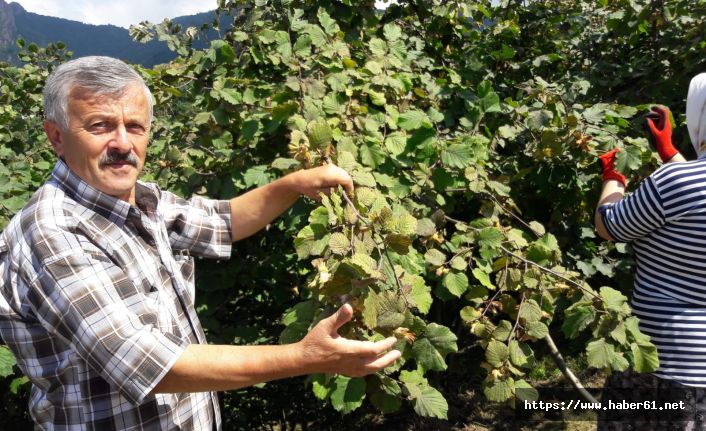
{"x": 660, "y": 132}
{"x": 607, "y": 162}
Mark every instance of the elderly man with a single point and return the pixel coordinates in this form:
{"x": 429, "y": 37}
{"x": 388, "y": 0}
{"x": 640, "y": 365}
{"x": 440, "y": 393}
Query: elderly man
{"x": 97, "y": 298}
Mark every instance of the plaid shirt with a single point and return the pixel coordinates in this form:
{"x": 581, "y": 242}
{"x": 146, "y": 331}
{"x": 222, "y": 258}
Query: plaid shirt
{"x": 97, "y": 303}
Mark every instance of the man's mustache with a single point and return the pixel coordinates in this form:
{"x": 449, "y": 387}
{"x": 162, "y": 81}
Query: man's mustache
{"x": 113, "y": 157}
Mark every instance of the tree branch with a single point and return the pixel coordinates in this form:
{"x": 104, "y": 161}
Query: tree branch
{"x": 559, "y": 360}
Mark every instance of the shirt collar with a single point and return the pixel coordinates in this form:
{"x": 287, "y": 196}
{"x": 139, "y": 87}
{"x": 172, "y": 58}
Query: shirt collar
{"x": 114, "y": 209}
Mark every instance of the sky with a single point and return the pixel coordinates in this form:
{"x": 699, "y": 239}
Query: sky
{"x": 122, "y": 13}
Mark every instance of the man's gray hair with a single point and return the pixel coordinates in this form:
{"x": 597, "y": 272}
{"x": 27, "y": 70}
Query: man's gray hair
{"x": 98, "y": 75}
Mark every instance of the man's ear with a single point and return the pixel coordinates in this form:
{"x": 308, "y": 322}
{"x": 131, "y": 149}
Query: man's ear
{"x": 53, "y": 132}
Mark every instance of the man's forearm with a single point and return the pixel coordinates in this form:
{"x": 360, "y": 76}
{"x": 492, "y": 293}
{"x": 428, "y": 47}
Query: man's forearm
{"x": 255, "y": 209}
{"x": 207, "y": 367}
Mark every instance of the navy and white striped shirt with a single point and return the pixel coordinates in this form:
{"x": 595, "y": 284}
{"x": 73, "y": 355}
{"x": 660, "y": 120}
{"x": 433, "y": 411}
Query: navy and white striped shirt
{"x": 665, "y": 218}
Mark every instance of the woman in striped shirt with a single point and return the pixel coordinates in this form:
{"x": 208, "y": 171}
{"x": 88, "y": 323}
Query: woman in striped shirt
{"x": 665, "y": 220}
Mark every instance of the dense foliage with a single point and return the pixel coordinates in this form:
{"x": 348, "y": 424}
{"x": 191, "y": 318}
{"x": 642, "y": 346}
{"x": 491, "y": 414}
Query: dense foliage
{"x": 471, "y": 131}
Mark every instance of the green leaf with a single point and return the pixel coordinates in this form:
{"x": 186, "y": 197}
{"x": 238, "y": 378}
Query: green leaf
{"x": 317, "y": 36}
{"x": 490, "y": 237}
{"x": 373, "y": 67}
{"x": 284, "y": 164}
{"x": 309, "y": 241}
{"x": 348, "y": 394}
{"x": 302, "y": 47}
{"x": 427, "y": 356}
{"x": 363, "y": 178}
{"x": 396, "y": 143}
{"x": 428, "y": 402}
{"x": 502, "y": 331}
{"x": 525, "y": 391}
{"x": 489, "y": 99}
{"x": 329, "y": 24}
{"x": 386, "y": 403}
{"x": 530, "y": 311}
{"x": 602, "y": 354}
{"x": 414, "y": 119}
{"x": 425, "y": 227}
{"x": 377, "y": 99}
{"x": 645, "y": 359}
{"x": 483, "y": 278}
{"x": 520, "y": 354}
{"x": 434, "y": 257}
{"x": 457, "y": 155}
{"x": 322, "y": 386}
{"x": 632, "y": 326}
{"x": 537, "y": 330}
{"x": 577, "y": 319}
{"x": 456, "y": 283}
{"x": 390, "y": 311}
{"x": 496, "y": 353}
{"x": 257, "y": 176}
{"x": 613, "y": 300}
{"x": 392, "y": 31}
{"x": 442, "y": 338}
{"x": 421, "y": 295}
{"x": 7, "y": 362}
{"x": 403, "y": 223}
{"x": 544, "y": 250}
{"x": 469, "y": 314}
{"x": 339, "y": 243}
{"x": 459, "y": 264}
{"x": 18, "y": 383}
{"x": 371, "y": 155}
{"x": 538, "y": 119}
{"x": 628, "y": 159}
{"x": 333, "y": 103}
{"x": 319, "y": 133}
{"x": 240, "y": 36}
{"x": 499, "y": 390}
{"x": 537, "y": 228}
{"x": 378, "y": 48}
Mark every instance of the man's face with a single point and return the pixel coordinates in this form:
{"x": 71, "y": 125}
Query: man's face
{"x": 106, "y": 141}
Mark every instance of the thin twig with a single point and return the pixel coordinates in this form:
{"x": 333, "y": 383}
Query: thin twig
{"x": 543, "y": 268}
{"x": 517, "y": 321}
{"x": 348, "y": 199}
{"x": 397, "y": 280}
{"x": 515, "y": 216}
{"x": 487, "y": 306}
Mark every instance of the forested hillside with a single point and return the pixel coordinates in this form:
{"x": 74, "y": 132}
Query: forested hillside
{"x": 86, "y": 39}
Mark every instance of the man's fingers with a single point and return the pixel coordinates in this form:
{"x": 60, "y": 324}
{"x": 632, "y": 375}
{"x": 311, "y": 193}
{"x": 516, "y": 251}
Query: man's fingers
{"x": 383, "y": 346}
{"x": 385, "y": 360}
{"x": 340, "y": 318}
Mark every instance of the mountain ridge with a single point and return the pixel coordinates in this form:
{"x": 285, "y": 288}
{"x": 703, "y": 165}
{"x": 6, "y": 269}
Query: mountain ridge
{"x": 86, "y": 39}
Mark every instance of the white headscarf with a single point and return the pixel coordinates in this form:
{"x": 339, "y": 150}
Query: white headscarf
{"x": 696, "y": 113}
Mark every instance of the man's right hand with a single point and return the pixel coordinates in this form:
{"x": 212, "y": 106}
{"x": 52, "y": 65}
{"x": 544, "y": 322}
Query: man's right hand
{"x": 324, "y": 350}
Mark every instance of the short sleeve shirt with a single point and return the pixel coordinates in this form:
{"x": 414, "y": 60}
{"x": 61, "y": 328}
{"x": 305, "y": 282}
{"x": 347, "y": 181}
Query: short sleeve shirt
{"x": 665, "y": 220}
{"x": 97, "y": 302}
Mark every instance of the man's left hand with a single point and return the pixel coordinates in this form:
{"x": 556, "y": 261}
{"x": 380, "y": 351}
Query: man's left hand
{"x": 322, "y": 179}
